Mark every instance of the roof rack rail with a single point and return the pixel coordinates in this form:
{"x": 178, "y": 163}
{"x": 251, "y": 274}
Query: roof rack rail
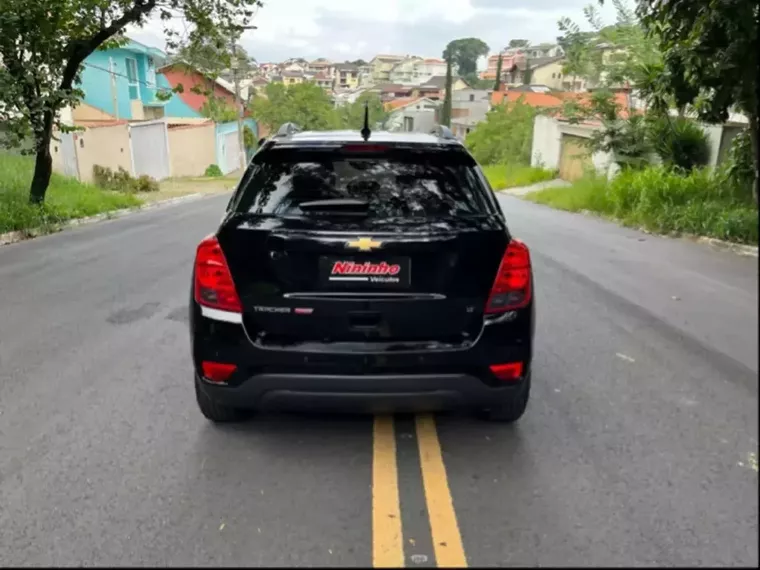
{"x": 442, "y": 132}
{"x": 287, "y": 129}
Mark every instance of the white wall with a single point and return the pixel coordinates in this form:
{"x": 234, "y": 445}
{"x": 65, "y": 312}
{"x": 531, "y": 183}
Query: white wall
{"x": 546, "y": 143}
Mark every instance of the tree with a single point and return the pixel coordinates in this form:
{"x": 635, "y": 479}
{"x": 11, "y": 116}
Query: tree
{"x": 352, "y": 116}
{"x": 305, "y": 104}
{"x": 497, "y": 82}
{"x": 518, "y": 43}
{"x": 713, "y": 51}
{"x": 464, "y": 54}
{"x": 446, "y": 109}
{"x": 44, "y": 43}
{"x": 506, "y": 135}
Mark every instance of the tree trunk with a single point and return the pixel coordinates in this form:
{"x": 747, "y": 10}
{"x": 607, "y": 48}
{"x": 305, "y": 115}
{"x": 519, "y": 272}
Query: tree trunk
{"x": 43, "y": 164}
{"x": 754, "y": 125}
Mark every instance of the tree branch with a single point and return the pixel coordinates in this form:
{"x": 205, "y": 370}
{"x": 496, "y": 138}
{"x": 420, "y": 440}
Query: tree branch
{"x": 82, "y": 49}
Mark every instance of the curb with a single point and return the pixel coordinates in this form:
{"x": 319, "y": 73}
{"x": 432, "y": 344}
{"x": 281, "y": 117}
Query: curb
{"x": 738, "y": 248}
{"x": 22, "y": 235}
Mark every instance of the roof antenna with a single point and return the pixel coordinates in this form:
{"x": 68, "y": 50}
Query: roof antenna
{"x": 365, "y": 132}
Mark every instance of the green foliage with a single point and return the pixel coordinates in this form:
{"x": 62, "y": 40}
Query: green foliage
{"x": 68, "y": 198}
{"x": 351, "y": 116}
{"x": 44, "y": 43}
{"x": 497, "y": 81}
{"x": 305, "y": 104}
{"x": 217, "y": 108}
{"x": 213, "y": 171}
{"x": 711, "y": 56}
{"x": 502, "y": 176}
{"x": 739, "y": 168}
{"x": 518, "y": 43}
{"x": 249, "y": 140}
{"x": 310, "y": 107}
{"x": 680, "y": 142}
{"x": 464, "y": 54}
{"x": 122, "y": 181}
{"x": 661, "y": 200}
{"x": 506, "y": 135}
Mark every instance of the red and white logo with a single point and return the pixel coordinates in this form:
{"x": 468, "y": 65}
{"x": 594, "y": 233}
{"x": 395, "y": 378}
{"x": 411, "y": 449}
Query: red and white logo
{"x": 367, "y": 271}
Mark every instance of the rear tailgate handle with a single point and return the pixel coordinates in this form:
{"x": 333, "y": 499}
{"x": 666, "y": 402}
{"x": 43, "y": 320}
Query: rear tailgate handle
{"x": 364, "y": 319}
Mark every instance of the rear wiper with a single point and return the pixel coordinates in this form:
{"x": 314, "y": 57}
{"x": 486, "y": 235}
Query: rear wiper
{"x": 347, "y": 206}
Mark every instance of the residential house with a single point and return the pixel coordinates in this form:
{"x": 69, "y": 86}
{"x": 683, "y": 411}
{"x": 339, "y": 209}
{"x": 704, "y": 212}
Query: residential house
{"x": 322, "y": 65}
{"x": 403, "y": 71}
{"x": 290, "y": 77}
{"x": 412, "y": 115}
{"x": 121, "y": 83}
{"x": 346, "y": 76}
{"x": 365, "y": 75}
{"x": 347, "y": 97}
{"x": 544, "y": 71}
{"x": 382, "y": 65}
{"x": 389, "y": 91}
{"x": 509, "y": 59}
{"x": 468, "y": 108}
{"x": 193, "y": 97}
{"x": 323, "y": 80}
{"x": 425, "y": 69}
{"x": 435, "y": 87}
{"x": 543, "y": 50}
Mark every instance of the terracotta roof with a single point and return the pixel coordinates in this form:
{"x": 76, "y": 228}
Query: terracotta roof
{"x": 400, "y": 102}
{"x": 433, "y": 60}
{"x": 532, "y": 99}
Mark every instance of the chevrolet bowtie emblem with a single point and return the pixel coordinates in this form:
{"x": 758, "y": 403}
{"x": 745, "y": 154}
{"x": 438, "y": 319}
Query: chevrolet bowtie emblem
{"x": 364, "y": 244}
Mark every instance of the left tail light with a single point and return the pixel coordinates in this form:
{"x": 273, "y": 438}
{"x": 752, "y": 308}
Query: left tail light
{"x": 214, "y": 287}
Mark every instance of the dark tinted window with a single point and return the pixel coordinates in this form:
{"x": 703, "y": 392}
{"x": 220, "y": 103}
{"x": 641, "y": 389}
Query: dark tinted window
{"x": 410, "y": 184}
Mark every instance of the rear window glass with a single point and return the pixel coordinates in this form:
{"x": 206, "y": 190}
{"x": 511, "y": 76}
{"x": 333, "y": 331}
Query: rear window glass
{"x": 398, "y": 185}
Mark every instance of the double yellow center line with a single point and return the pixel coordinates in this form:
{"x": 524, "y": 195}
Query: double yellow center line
{"x": 387, "y": 535}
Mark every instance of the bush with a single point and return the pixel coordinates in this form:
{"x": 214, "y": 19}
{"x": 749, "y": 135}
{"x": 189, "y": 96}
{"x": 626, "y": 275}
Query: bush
{"x": 740, "y": 168}
{"x": 502, "y": 176}
{"x": 680, "y": 143}
{"x": 665, "y": 201}
{"x": 506, "y": 135}
{"x": 122, "y": 181}
{"x": 213, "y": 171}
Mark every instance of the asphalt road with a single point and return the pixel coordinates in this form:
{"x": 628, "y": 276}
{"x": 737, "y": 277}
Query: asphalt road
{"x": 639, "y": 446}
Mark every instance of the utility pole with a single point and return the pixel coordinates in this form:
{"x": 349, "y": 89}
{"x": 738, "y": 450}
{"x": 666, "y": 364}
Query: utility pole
{"x": 234, "y": 64}
{"x": 114, "y": 92}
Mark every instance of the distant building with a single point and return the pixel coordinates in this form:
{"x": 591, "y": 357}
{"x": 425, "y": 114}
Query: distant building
{"x": 346, "y": 76}
{"x": 382, "y": 66}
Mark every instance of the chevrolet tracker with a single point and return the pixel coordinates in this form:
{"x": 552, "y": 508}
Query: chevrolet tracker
{"x": 366, "y": 272}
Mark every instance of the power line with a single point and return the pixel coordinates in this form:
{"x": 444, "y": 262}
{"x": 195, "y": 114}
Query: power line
{"x": 136, "y": 80}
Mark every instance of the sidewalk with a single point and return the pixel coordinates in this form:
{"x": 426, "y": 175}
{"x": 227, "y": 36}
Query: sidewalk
{"x": 522, "y": 190}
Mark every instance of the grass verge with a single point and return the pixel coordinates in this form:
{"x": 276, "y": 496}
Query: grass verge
{"x": 66, "y": 198}
{"x": 502, "y": 176}
{"x": 701, "y": 203}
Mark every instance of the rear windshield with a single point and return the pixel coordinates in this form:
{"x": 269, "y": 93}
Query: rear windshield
{"x": 398, "y": 185}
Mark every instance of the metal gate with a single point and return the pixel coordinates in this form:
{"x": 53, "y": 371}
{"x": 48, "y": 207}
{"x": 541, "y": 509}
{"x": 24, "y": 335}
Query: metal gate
{"x": 150, "y": 149}
{"x": 230, "y": 160}
{"x": 69, "y": 155}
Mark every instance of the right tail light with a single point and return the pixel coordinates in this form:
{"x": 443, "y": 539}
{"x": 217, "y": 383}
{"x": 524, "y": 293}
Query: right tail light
{"x": 512, "y": 287}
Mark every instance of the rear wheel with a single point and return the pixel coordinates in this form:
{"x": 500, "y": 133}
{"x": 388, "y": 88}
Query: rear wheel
{"x": 509, "y": 407}
{"x": 214, "y": 411}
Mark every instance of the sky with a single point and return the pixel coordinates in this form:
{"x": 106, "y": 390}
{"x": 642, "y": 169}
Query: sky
{"x": 352, "y": 29}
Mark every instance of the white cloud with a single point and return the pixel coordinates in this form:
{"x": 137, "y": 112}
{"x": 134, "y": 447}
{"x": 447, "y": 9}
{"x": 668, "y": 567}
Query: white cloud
{"x": 351, "y": 29}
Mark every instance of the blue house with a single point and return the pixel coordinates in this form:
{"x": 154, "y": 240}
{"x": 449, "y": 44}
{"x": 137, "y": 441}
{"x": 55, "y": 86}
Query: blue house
{"x": 122, "y": 82}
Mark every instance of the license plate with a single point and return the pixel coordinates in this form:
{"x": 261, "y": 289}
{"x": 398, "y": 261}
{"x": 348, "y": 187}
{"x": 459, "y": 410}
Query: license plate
{"x": 352, "y": 272}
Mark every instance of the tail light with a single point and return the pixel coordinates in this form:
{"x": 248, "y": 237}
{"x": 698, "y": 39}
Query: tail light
{"x": 512, "y": 287}
{"x": 508, "y": 371}
{"x": 214, "y": 287}
{"x": 217, "y": 371}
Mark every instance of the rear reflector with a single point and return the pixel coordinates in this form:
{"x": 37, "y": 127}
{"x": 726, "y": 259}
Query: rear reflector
{"x": 512, "y": 288}
{"x": 213, "y": 282}
{"x": 217, "y": 371}
{"x": 508, "y": 371}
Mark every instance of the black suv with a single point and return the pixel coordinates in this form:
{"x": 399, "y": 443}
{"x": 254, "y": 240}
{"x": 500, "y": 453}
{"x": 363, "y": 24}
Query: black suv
{"x": 375, "y": 273}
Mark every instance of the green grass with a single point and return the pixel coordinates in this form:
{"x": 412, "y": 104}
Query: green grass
{"x": 502, "y": 176}
{"x": 66, "y": 198}
{"x": 701, "y": 203}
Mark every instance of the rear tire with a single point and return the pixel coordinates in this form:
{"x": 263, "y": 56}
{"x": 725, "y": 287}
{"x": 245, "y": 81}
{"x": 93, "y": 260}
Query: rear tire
{"x": 510, "y": 407}
{"x": 214, "y": 411}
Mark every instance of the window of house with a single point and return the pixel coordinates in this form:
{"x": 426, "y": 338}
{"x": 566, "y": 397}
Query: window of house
{"x": 554, "y": 75}
{"x": 472, "y": 97}
{"x": 134, "y": 85}
{"x": 408, "y": 124}
{"x": 150, "y": 73}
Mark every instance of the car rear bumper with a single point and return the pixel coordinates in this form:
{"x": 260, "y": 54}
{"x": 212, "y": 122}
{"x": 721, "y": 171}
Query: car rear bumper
{"x": 360, "y": 393}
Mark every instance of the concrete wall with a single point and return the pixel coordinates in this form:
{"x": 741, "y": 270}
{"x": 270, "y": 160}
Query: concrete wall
{"x": 549, "y": 75}
{"x": 192, "y": 148}
{"x": 104, "y": 146}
